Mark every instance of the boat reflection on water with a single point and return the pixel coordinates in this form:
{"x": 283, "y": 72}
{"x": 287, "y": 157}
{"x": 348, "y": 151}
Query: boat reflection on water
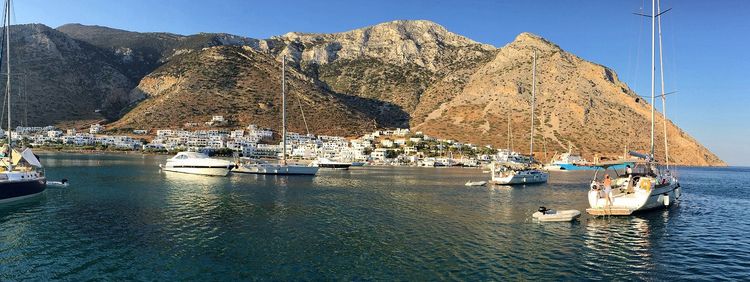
{"x": 614, "y": 242}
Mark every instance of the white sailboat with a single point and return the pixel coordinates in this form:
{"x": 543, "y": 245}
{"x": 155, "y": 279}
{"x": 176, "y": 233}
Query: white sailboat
{"x": 21, "y": 173}
{"x": 510, "y": 174}
{"x": 283, "y": 167}
{"x": 650, "y": 185}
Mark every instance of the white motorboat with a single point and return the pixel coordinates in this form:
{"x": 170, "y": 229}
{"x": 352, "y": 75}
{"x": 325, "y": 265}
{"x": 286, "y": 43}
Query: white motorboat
{"x": 197, "y": 163}
{"x": 21, "y": 174}
{"x": 549, "y": 215}
{"x": 328, "y": 163}
{"x": 648, "y": 185}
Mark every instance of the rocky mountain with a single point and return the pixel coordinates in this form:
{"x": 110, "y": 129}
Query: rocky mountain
{"x": 58, "y": 78}
{"x": 395, "y": 74}
{"x": 244, "y": 86}
{"x": 393, "y": 62}
{"x": 138, "y": 54}
{"x": 577, "y": 102}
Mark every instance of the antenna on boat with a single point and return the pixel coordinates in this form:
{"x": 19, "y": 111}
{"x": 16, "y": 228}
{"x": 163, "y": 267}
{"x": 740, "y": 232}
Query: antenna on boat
{"x": 283, "y": 109}
{"x": 533, "y": 96}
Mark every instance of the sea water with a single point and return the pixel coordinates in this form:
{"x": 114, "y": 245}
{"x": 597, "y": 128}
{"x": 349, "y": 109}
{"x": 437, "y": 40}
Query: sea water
{"x": 123, "y": 219}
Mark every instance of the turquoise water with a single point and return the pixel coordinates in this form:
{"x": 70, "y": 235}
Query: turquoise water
{"x": 122, "y": 219}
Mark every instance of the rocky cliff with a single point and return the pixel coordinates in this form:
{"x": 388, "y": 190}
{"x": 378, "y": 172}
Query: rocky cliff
{"x": 395, "y": 74}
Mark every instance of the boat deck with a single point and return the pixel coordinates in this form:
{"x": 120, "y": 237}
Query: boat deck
{"x": 608, "y": 211}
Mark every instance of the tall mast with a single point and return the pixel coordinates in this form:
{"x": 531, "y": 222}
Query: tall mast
{"x": 283, "y": 109}
{"x": 7, "y": 83}
{"x": 653, "y": 69}
{"x": 509, "y": 146}
{"x": 663, "y": 98}
{"x": 533, "y": 96}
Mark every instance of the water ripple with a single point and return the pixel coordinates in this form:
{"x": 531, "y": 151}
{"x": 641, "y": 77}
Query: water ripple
{"x": 124, "y": 220}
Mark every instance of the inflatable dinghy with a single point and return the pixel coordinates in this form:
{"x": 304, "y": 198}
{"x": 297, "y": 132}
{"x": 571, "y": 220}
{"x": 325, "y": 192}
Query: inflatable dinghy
{"x": 61, "y": 183}
{"x": 476, "y": 183}
{"x": 545, "y": 214}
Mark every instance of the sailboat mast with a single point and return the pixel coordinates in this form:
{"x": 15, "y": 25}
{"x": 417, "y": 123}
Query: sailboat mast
{"x": 533, "y": 96}
{"x": 283, "y": 109}
{"x": 653, "y": 69}
{"x": 663, "y": 98}
{"x": 7, "y": 82}
{"x": 509, "y": 146}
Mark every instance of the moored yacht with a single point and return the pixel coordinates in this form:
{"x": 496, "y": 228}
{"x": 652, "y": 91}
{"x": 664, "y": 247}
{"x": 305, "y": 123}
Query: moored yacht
{"x": 282, "y": 167}
{"x": 255, "y": 166}
{"x": 21, "y": 173}
{"x": 197, "y": 163}
{"x": 648, "y": 184}
{"x": 21, "y": 176}
{"x": 512, "y": 173}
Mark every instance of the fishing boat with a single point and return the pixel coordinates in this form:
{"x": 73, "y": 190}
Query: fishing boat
{"x": 282, "y": 167}
{"x": 526, "y": 173}
{"x": 197, "y": 163}
{"x": 21, "y": 174}
{"x": 648, "y": 184}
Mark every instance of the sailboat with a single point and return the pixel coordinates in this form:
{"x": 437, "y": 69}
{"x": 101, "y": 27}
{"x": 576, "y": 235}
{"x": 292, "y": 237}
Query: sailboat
{"x": 21, "y": 173}
{"x": 648, "y": 185}
{"x": 255, "y": 166}
{"x": 509, "y": 173}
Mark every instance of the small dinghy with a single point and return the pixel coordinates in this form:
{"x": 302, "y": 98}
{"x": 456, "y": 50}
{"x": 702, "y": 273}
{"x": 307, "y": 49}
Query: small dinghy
{"x": 545, "y": 214}
{"x": 61, "y": 183}
{"x": 476, "y": 183}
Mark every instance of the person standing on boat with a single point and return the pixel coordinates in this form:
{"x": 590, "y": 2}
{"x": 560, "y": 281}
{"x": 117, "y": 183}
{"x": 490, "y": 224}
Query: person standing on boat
{"x": 608, "y": 190}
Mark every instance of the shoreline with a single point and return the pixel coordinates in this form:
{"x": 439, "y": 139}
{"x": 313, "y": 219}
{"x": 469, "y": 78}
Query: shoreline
{"x": 146, "y": 153}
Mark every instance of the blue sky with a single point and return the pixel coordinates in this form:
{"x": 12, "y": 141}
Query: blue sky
{"x": 707, "y": 43}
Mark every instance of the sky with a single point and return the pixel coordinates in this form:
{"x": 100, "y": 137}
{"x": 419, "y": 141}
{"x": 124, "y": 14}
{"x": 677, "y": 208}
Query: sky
{"x": 706, "y": 43}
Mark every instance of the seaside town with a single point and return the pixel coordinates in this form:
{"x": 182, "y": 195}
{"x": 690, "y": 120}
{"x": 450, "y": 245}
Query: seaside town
{"x": 384, "y": 147}
{"x": 386, "y": 140}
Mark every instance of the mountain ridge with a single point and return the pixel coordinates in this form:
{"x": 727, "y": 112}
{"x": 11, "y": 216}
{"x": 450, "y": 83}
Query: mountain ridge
{"x": 401, "y": 73}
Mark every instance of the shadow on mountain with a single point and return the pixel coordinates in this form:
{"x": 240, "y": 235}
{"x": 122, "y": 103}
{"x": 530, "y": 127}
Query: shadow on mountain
{"x": 385, "y": 114}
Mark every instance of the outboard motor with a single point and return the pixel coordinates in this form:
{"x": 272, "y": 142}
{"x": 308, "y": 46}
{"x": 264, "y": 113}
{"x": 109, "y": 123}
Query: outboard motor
{"x": 64, "y": 181}
{"x": 542, "y": 210}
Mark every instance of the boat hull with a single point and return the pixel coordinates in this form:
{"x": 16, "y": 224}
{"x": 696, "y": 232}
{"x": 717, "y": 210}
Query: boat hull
{"x": 335, "y": 166}
{"x": 277, "y": 170}
{"x": 18, "y": 190}
{"x": 208, "y": 171}
{"x": 520, "y": 179}
{"x": 663, "y": 196}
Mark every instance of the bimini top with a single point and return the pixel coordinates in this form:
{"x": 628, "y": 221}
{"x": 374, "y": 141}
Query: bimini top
{"x": 27, "y": 156}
